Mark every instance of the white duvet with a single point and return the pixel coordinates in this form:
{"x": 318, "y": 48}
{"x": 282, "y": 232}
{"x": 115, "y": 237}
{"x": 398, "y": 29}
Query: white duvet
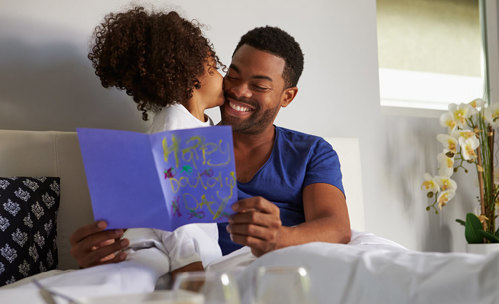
{"x": 367, "y": 270}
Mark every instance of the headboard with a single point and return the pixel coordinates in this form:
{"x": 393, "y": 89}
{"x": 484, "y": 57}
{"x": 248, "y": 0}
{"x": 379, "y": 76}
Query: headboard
{"x": 349, "y": 154}
{"x": 51, "y": 153}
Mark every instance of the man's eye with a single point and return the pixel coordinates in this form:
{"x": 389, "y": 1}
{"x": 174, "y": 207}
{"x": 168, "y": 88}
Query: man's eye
{"x": 260, "y": 88}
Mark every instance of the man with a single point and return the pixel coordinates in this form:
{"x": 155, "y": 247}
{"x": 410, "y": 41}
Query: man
{"x": 284, "y": 177}
{"x": 290, "y": 189}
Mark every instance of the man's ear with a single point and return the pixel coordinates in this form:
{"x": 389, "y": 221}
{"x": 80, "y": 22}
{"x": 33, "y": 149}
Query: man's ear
{"x": 288, "y": 95}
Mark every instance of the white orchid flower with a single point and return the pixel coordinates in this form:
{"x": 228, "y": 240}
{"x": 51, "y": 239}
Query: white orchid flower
{"x": 460, "y": 113}
{"x": 491, "y": 115}
{"x": 430, "y": 184}
{"x": 468, "y": 147}
{"x": 446, "y": 183}
{"x": 447, "y": 120}
{"x": 449, "y": 142}
{"x": 463, "y": 133}
{"x": 476, "y": 105}
{"x": 444, "y": 197}
{"x": 446, "y": 164}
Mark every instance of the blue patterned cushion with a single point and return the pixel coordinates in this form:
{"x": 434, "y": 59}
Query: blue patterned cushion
{"x": 28, "y": 219}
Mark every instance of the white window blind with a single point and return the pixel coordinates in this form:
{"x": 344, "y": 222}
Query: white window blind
{"x": 430, "y": 53}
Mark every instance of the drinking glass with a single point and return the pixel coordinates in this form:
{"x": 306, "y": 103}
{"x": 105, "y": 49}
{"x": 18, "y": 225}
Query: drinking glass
{"x": 216, "y": 287}
{"x": 282, "y": 284}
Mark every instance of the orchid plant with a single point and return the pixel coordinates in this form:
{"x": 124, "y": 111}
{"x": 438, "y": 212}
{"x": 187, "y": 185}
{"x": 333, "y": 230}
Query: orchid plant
{"x": 469, "y": 140}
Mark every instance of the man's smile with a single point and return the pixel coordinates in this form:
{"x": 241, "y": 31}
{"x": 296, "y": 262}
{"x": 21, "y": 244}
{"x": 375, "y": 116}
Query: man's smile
{"x": 240, "y": 107}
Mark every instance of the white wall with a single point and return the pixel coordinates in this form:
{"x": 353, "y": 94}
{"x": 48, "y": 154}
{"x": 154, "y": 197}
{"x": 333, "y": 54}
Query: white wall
{"x": 46, "y": 82}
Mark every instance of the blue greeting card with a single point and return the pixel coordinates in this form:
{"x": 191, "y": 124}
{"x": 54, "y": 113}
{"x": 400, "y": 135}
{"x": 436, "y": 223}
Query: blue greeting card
{"x": 162, "y": 180}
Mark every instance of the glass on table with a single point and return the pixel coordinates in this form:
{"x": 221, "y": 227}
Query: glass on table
{"x": 282, "y": 284}
{"x": 214, "y": 286}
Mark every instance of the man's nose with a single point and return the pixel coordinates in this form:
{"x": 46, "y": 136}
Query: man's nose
{"x": 241, "y": 90}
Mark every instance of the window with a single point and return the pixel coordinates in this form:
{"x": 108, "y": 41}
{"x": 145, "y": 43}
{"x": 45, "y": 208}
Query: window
{"x": 430, "y": 53}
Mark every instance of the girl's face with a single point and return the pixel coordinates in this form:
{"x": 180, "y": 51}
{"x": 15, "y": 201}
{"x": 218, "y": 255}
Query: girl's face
{"x": 211, "y": 92}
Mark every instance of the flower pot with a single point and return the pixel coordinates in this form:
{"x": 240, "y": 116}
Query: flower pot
{"x": 482, "y": 248}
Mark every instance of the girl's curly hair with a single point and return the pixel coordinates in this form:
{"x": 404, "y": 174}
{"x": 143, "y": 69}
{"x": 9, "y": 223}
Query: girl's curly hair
{"x": 155, "y": 57}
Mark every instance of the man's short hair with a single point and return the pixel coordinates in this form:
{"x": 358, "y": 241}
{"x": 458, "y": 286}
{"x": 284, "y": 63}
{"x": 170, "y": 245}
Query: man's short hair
{"x": 277, "y": 42}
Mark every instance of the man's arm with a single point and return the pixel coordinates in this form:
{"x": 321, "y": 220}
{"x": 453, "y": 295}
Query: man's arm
{"x": 257, "y": 223}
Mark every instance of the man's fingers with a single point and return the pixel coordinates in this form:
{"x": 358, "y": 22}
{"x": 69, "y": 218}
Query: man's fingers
{"x": 252, "y": 242}
{"x": 255, "y": 218}
{"x": 256, "y": 224}
{"x": 87, "y": 230}
{"x": 250, "y": 230}
{"x": 258, "y": 203}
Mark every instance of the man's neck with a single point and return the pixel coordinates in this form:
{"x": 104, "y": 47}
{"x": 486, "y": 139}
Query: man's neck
{"x": 248, "y": 141}
{"x": 252, "y": 151}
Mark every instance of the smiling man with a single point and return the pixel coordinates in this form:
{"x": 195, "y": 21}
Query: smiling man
{"x": 290, "y": 189}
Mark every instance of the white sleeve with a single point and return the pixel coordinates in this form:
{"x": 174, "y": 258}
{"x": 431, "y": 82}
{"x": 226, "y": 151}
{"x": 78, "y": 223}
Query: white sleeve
{"x": 141, "y": 238}
{"x": 191, "y": 243}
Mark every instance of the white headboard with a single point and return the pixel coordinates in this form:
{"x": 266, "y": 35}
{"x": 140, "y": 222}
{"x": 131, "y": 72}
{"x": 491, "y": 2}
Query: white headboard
{"x": 349, "y": 154}
{"x": 51, "y": 153}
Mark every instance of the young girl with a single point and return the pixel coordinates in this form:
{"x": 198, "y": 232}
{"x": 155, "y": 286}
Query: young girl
{"x": 170, "y": 69}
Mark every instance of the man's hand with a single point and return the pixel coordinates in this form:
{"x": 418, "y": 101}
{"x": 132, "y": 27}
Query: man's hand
{"x": 91, "y": 245}
{"x": 256, "y": 224}
{"x": 257, "y": 221}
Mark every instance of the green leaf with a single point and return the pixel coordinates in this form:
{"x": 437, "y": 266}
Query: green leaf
{"x": 497, "y": 232}
{"x": 460, "y": 221}
{"x": 489, "y": 236}
{"x": 472, "y": 226}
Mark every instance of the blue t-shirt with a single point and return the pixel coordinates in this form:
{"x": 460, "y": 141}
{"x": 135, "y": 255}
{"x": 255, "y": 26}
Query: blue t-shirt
{"x": 297, "y": 160}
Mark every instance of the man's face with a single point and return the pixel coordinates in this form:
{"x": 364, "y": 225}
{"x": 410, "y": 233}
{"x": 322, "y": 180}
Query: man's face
{"x": 253, "y": 88}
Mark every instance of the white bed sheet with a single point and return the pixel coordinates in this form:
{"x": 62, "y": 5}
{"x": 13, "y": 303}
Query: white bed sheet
{"x": 138, "y": 274}
{"x": 369, "y": 269}
{"x": 375, "y": 270}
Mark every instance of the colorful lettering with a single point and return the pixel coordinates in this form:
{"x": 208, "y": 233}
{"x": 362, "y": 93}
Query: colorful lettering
{"x": 194, "y": 214}
{"x": 173, "y": 148}
{"x": 175, "y": 207}
{"x": 187, "y": 169}
{"x": 199, "y": 179}
{"x": 169, "y": 173}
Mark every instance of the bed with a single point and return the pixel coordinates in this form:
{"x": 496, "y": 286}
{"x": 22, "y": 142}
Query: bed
{"x": 369, "y": 269}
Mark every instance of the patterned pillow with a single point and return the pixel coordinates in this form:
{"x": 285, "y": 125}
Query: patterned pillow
{"x": 28, "y": 219}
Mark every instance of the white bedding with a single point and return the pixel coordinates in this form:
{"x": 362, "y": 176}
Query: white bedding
{"x": 375, "y": 270}
{"x": 136, "y": 275}
{"x": 368, "y": 270}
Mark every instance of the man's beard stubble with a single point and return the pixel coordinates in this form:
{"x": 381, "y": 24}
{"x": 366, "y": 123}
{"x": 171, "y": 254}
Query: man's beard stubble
{"x": 255, "y": 123}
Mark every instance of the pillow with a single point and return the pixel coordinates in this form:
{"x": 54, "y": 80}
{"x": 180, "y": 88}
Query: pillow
{"x": 28, "y": 219}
